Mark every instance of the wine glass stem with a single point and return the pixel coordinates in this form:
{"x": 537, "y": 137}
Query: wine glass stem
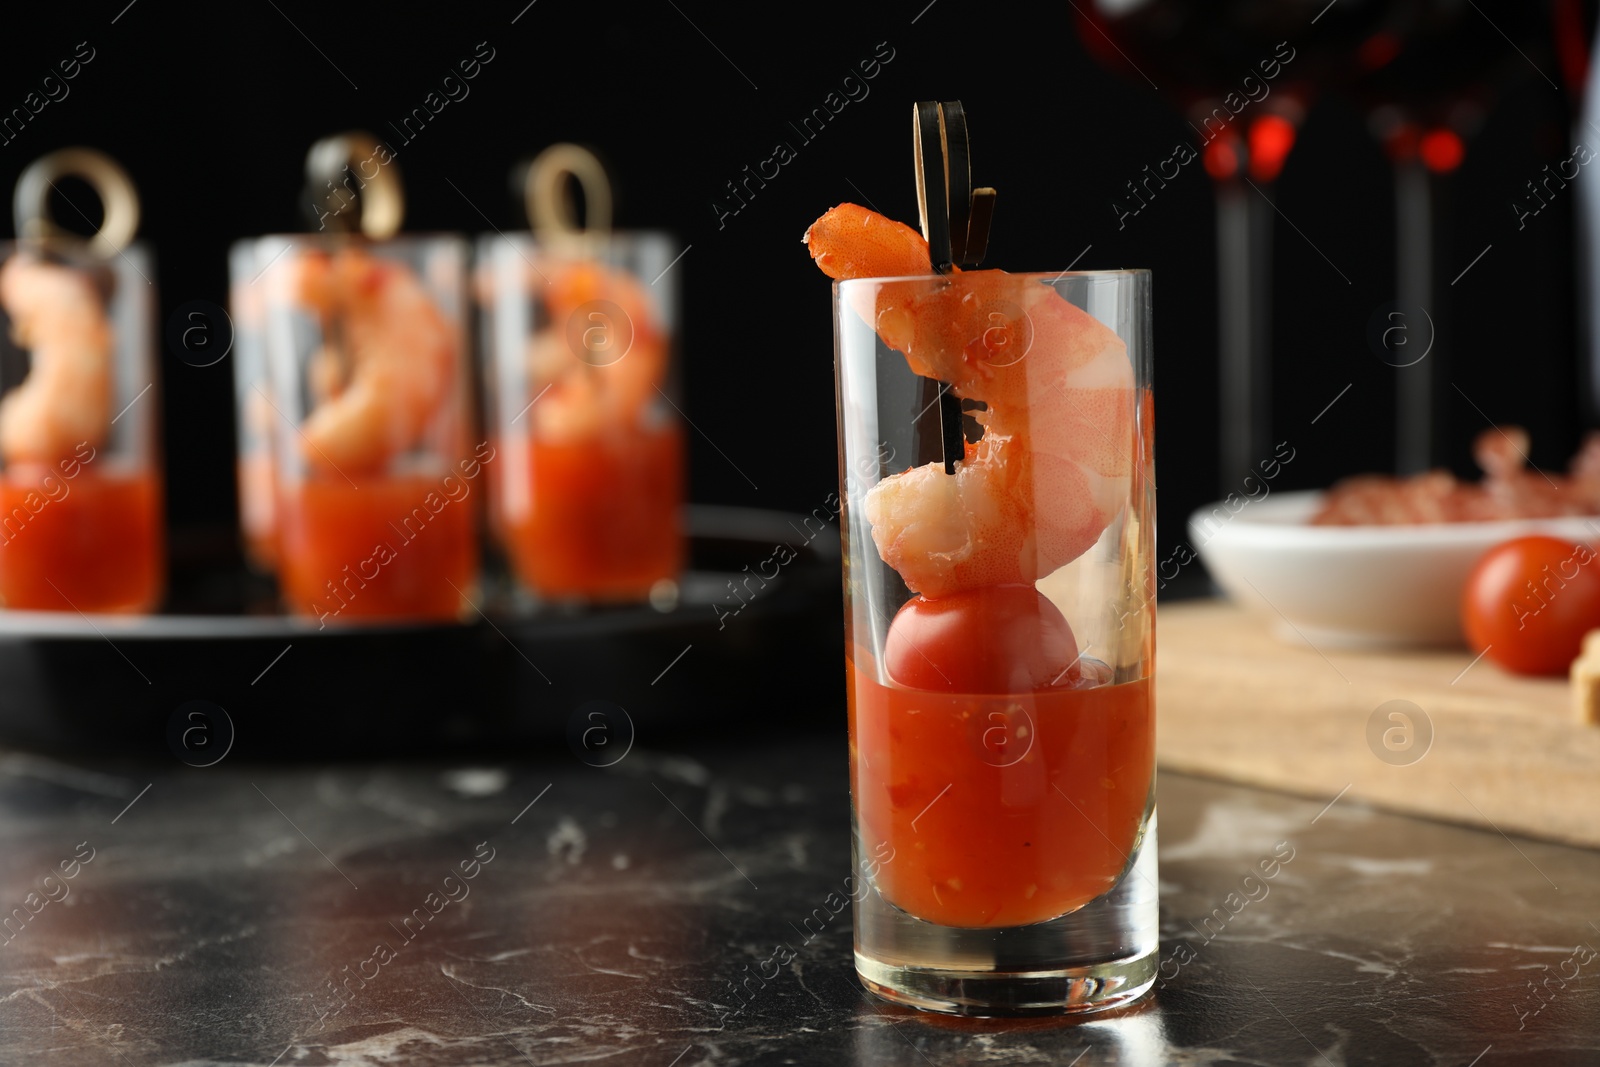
{"x": 1244, "y": 279}
{"x": 1414, "y": 264}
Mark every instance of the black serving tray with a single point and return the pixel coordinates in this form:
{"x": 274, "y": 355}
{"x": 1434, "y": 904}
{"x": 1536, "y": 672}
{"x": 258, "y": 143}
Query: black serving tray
{"x": 204, "y": 687}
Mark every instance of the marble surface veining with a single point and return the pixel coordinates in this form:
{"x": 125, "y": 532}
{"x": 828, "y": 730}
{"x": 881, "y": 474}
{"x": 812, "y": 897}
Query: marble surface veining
{"x": 553, "y": 913}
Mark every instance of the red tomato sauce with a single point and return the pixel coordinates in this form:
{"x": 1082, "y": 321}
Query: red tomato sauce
{"x": 97, "y": 547}
{"x": 1001, "y": 810}
{"x": 603, "y": 515}
{"x": 385, "y": 549}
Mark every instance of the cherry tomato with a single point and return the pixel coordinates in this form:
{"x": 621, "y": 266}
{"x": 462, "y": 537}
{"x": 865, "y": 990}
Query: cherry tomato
{"x": 996, "y": 639}
{"x": 1528, "y": 603}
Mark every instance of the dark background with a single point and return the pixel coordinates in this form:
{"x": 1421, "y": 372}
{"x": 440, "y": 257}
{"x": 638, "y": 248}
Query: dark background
{"x": 211, "y": 108}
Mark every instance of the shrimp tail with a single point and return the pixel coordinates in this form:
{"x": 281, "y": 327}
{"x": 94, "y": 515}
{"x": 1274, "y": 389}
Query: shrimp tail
{"x": 850, "y": 241}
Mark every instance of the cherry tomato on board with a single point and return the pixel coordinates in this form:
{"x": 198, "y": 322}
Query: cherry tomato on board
{"x": 1529, "y": 602}
{"x": 995, "y": 639}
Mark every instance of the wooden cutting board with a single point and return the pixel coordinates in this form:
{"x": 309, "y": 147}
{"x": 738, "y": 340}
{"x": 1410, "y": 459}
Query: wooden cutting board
{"x": 1234, "y": 701}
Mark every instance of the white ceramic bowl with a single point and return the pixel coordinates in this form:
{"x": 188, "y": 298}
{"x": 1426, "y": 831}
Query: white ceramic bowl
{"x": 1353, "y": 586}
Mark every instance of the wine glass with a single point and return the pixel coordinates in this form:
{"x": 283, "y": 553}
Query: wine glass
{"x": 1428, "y": 79}
{"x": 1244, "y": 72}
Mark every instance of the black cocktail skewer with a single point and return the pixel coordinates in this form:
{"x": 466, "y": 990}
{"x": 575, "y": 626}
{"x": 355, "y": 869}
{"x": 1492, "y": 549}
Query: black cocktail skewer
{"x": 955, "y": 221}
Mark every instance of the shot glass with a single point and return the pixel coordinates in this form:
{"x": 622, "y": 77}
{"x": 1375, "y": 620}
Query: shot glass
{"x": 81, "y": 503}
{"x": 256, "y": 423}
{"x": 578, "y": 334}
{"x": 374, "y": 459}
{"x": 999, "y": 616}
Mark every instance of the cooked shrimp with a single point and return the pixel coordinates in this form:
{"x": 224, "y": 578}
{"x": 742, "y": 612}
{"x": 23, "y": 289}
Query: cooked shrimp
{"x": 1510, "y": 490}
{"x": 1585, "y": 464}
{"x": 57, "y": 315}
{"x": 1052, "y": 468}
{"x": 593, "y": 386}
{"x": 384, "y": 369}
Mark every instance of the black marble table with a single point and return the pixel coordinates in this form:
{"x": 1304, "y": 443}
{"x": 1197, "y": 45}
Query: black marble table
{"x": 233, "y": 915}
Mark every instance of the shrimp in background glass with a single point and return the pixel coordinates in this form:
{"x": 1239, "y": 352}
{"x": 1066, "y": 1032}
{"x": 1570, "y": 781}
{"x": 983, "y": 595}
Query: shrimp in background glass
{"x": 587, "y": 503}
{"x": 373, "y": 485}
{"x": 80, "y": 504}
{"x": 56, "y": 315}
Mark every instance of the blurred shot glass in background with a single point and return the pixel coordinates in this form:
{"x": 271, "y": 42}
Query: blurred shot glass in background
{"x": 81, "y": 501}
{"x": 375, "y": 467}
{"x": 578, "y": 329}
{"x": 1000, "y": 610}
{"x": 363, "y": 422}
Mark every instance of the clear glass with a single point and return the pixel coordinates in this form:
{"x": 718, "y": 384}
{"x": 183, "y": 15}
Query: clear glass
{"x": 254, "y": 419}
{"x": 374, "y": 460}
{"x": 1000, "y": 638}
{"x": 82, "y": 524}
{"x": 578, "y": 334}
